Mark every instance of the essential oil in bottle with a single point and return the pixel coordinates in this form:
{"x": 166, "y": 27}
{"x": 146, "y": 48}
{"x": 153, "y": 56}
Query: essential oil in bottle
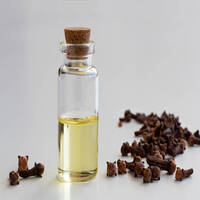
{"x": 77, "y": 108}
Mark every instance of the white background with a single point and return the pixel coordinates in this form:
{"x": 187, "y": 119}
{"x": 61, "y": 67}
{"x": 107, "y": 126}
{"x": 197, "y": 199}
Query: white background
{"x": 147, "y": 52}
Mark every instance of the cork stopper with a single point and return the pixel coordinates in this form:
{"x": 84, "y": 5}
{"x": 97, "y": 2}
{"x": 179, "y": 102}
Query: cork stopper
{"x": 77, "y": 35}
{"x": 77, "y": 39}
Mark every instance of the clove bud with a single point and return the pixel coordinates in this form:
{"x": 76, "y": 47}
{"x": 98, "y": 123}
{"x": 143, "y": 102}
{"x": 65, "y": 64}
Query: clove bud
{"x": 121, "y": 167}
{"x": 181, "y": 173}
{"x": 168, "y": 165}
{"x": 155, "y": 172}
{"x": 125, "y": 149}
{"x": 147, "y": 176}
{"x": 37, "y": 170}
{"x": 193, "y": 140}
{"x": 14, "y": 178}
{"x": 22, "y": 163}
{"x": 111, "y": 169}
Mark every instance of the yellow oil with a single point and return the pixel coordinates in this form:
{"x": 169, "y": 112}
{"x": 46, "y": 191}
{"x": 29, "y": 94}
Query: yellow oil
{"x": 78, "y": 148}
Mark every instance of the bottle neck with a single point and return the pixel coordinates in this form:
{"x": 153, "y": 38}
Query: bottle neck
{"x": 77, "y": 62}
{"x": 77, "y": 55}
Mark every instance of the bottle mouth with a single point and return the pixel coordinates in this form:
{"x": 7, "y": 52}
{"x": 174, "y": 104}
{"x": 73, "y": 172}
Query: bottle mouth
{"x": 77, "y": 51}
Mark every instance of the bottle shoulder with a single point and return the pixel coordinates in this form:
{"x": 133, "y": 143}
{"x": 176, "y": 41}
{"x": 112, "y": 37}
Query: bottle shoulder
{"x": 89, "y": 71}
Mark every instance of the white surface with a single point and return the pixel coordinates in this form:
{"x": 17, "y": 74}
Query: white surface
{"x": 148, "y": 56}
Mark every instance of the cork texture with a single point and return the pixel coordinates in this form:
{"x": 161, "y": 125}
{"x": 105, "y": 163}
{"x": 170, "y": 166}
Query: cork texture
{"x": 77, "y": 51}
{"x": 77, "y": 35}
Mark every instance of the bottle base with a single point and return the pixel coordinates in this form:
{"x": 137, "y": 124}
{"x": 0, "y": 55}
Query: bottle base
{"x": 75, "y": 177}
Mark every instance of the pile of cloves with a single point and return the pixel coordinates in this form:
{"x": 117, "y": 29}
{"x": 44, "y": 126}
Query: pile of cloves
{"x": 163, "y": 138}
{"x": 24, "y": 172}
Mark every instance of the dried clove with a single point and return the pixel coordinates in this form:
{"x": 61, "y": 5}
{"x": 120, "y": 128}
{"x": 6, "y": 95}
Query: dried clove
{"x": 23, "y": 170}
{"x": 111, "y": 169}
{"x": 37, "y": 170}
{"x": 22, "y": 163}
{"x": 161, "y": 136}
{"x": 125, "y": 149}
{"x": 138, "y": 168}
{"x": 168, "y": 165}
{"x": 14, "y": 178}
{"x": 155, "y": 172}
{"x": 147, "y": 176}
{"x": 121, "y": 167}
{"x": 193, "y": 140}
{"x": 181, "y": 173}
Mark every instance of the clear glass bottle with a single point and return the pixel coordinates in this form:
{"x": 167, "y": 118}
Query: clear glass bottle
{"x": 77, "y": 115}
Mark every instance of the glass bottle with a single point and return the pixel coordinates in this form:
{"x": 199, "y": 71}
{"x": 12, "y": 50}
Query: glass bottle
{"x": 77, "y": 114}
